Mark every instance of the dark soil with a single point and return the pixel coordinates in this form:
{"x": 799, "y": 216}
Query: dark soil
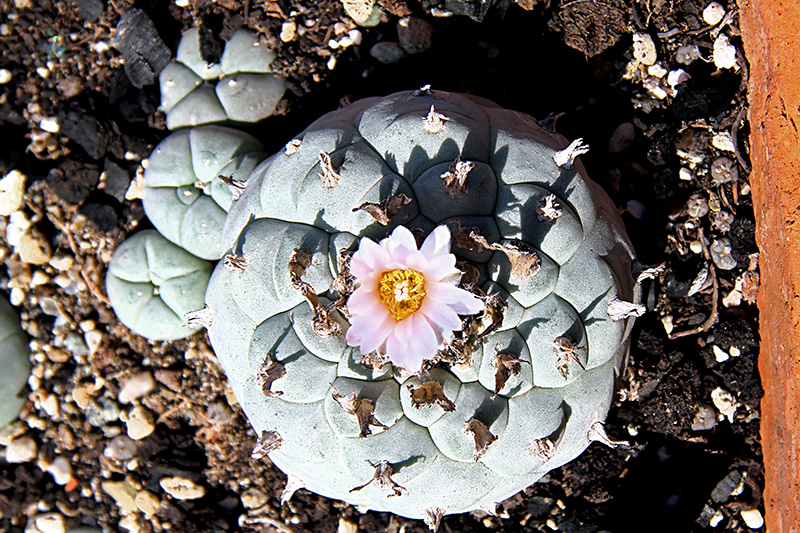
{"x": 679, "y": 471}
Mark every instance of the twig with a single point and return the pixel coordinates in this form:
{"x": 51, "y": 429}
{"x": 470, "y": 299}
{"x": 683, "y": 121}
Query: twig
{"x": 734, "y": 139}
{"x": 714, "y": 316}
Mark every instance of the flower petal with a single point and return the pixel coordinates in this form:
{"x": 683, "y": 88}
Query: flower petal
{"x": 371, "y": 338}
{"x": 401, "y": 243}
{"x": 437, "y": 243}
{"x": 399, "y": 347}
{"x": 438, "y": 268}
{"x": 440, "y": 314}
{"x": 423, "y": 340}
{"x": 461, "y": 301}
{"x": 369, "y": 257}
{"x": 363, "y": 302}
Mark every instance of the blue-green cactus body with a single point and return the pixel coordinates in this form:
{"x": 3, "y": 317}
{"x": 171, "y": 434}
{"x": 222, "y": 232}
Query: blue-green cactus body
{"x": 542, "y": 416}
{"x": 14, "y": 362}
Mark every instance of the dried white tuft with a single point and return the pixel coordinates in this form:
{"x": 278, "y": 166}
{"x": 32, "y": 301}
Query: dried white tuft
{"x": 542, "y": 449}
{"x": 330, "y": 177}
{"x": 724, "y": 53}
{"x": 293, "y": 484}
{"x": 566, "y": 158}
{"x": 434, "y": 122}
{"x": 597, "y": 433}
{"x": 292, "y": 147}
{"x": 620, "y": 309}
{"x": 425, "y": 90}
{"x": 549, "y": 209}
{"x": 268, "y": 441}
{"x": 201, "y": 318}
{"x": 235, "y": 262}
{"x": 433, "y": 515}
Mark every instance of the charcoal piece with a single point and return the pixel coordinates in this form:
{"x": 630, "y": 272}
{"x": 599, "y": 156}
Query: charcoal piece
{"x": 144, "y": 52}
{"x": 117, "y": 180}
{"x": 73, "y": 181}
{"x": 88, "y": 132}
{"x": 89, "y": 10}
{"x": 101, "y": 215}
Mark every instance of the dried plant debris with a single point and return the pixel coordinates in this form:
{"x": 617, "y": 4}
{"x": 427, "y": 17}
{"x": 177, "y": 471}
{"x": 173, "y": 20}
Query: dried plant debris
{"x": 344, "y": 283}
{"x": 292, "y": 146}
{"x": 597, "y": 433}
{"x": 566, "y": 351}
{"x": 483, "y": 437}
{"x": 270, "y": 371}
{"x": 566, "y": 158}
{"x": 363, "y": 409}
{"x": 548, "y": 209}
{"x": 235, "y": 262}
{"x": 620, "y": 309}
{"x": 430, "y": 393}
{"x": 506, "y": 365}
{"x": 330, "y": 176}
{"x": 434, "y": 122}
{"x": 323, "y": 324}
{"x": 374, "y": 360}
{"x": 267, "y": 442}
{"x": 425, "y": 90}
{"x": 201, "y": 318}
{"x": 385, "y": 212}
{"x": 293, "y": 484}
{"x": 543, "y": 448}
{"x": 642, "y": 272}
{"x": 524, "y": 262}
{"x": 237, "y": 187}
{"x": 494, "y": 311}
{"x": 383, "y": 478}
{"x": 455, "y": 179}
{"x": 432, "y": 518}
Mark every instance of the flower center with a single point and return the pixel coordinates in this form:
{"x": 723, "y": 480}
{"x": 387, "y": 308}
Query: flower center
{"x": 402, "y": 290}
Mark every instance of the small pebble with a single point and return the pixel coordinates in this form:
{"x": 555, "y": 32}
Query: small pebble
{"x": 61, "y": 470}
{"x": 148, "y": 503}
{"x": 415, "y": 34}
{"x": 713, "y": 13}
{"x": 697, "y": 205}
{"x": 685, "y": 174}
{"x": 685, "y": 55}
{"x": 47, "y": 523}
{"x": 50, "y": 125}
{"x": 704, "y": 419}
{"x": 123, "y": 493}
{"x": 719, "y": 354}
{"x": 50, "y": 406}
{"x": 724, "y": 402}
{"x": 723, "y": 141}
{"x": 121, "y": 448}
{"x": 61, "y": 262}
{"x": 5, "y": 76}
{"x": 33, "y": 248}
{"x": 182, "y": 488}
{"x": 721, "y": 254}
{"x": 253, "y": 499}
{"x": 346, "y": 526}
{"x": 622, "y": 137}
{"x": 93, "y": 340}
{"x": 288, "y": 31}
{"x": 387, "y": 52}
{"x": 12, "y": 190}
{"x": 753, "y": 518}
{"x": 724, "y": 52}
{"x": 136, "y": 386}
{"x": 716, "y": 519}
{"x": 22, "y": 450}
{"x": 181, "y": 3}
{"x": 139, "y": 423}
{"x": 644, "y": 49}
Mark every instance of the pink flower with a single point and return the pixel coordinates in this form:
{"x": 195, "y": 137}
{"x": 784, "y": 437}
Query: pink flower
{"x": 407, "y": 302}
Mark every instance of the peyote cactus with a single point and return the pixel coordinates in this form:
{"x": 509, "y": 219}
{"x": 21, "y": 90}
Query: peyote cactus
{"x": 190, "y": 181}
{"x": 152, "y": 283}
{"x": 14, "y": 361}
{"x": 402, "y": 383}
{"x": 246, "y": 90}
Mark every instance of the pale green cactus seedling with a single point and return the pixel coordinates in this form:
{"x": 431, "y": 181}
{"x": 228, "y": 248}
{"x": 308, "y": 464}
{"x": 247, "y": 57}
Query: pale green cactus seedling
{"x": 152, "y": 283}
{"x": 190, "y": 181}
{"x": 515, "y": 390}
{"x": 15, "y": 362}
{"x": 240, "y": 88}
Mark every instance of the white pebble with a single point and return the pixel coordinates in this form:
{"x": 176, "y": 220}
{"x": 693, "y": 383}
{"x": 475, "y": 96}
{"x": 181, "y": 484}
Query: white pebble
{"x": 724, "y": 52}
{"x": 50, "y": 406}
{"x": 50, "y": 124}
{"x": 644, "y": 49}
{"x": 719, "y": 354}
{"x": 182, "y": 488}
{"x": 685, "y": 174}
{"x": 716, "y": 519}
{"x": 685, "y": 55}
{"x": 123, "y": 493}
{"x": 43, "y": 72}
{"x": 723, "y": 141}
{"x": 47, "y": 523}
{"x": 61, "y": 470}
{"x": 288, "y": 31}
{"x": 657, "y": 70}
{"x": 734, "y": 351}
{"x": 753, "y": 518}
{"x": 181, "y": 3}
{"x": 93, "y": 339}
{"x": 5, "y": 76}
{"x": 121, "y": 448}
{"x": 713, "y": 13}
{"x": 724, "y": 402}
{"x": 139, "y": 423}
{"x": 148, "y": 503}
{"x": 22, "y": 450}
{"x": 12, "y": 190}
{"x": 136, "y": 386}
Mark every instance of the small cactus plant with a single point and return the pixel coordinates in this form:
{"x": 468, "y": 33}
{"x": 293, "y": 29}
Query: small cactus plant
{"x": 152, "y": 284}
{"x": 191, "y": 179}
{"x": 14, "y": 360}
{"x": 374, "y": 367}
{"x": 247, "y": 91}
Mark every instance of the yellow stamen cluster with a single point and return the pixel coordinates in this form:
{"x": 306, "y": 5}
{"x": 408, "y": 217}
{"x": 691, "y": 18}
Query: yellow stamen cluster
{"x": 402, "y": 290}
